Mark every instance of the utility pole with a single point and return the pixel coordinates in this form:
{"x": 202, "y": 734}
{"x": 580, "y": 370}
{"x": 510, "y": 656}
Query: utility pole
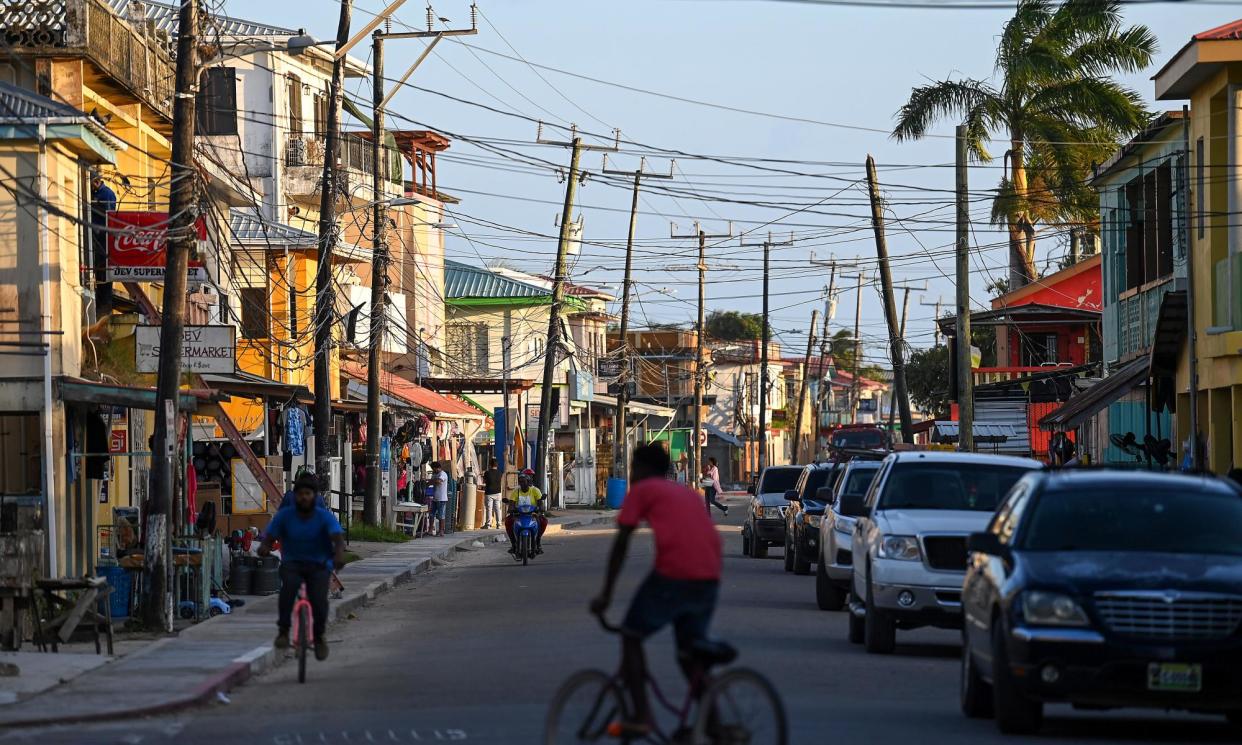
{"x": 855, "y": 388}
{"x": 936, "y": 320}
{"x": 157, "y": 598}
{"x": 763, "y": 343}
{"x": 965, "y": 378}
{"x": 325, "y": 300}
{"x": 806, "y": 375}
{"x": 380, "y": 205}
{"x": 890, "y": 303}
{"x": 1192, "y": 334}
{"x": 552, "y": 349}
{"x": 621, "y": 437}
{"x": 829, "y": 312}
{"x": 905, "y": 309}
{"x": 696, "y": 463}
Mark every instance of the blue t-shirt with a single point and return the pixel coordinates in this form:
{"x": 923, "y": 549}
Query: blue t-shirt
{"x": 305, "y": 538}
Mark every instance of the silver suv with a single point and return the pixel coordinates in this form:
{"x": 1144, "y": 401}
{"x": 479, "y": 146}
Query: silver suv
{"x": 909, "y": 542}
{"x": 834, "y": 567}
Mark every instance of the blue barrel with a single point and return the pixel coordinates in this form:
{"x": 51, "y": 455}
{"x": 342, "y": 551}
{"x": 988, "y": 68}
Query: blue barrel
{"x": 122, "y": 583}
{"x": 616, "y": 493}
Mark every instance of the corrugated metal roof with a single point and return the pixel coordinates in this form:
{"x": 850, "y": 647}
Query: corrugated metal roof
{"x": 26, "y": 104}
{"x": 466, "y": 281}
{"x": 247, "y": 226}
{"x": 165, "y": 17}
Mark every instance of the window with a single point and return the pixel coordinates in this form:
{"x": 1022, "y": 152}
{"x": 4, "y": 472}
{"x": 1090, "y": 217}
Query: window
{"x": 1164, "y": 220}
{"x": 1200, "y": 195}
{"x": 1134, "y": 233}
{"x": 254, "y": 315}
{"x": 321, "y": 115}
{"x": 293, "y": 313}
{"x": 294, "y": 94}
{"x": 468, "y": 345}
{"x": 1039, "y": 349}
{"x": 948, "y": 486}
{"x": 216, "y": 104}
{"x": 791, "y": 390}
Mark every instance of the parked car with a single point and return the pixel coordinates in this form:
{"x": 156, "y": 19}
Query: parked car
{"x": 858, "y": 436}
{"x": 909, "y": 542}
{"x": 765, "y": 520}
{"x": 1105, "y": 589}
{"x": 807, "y": 501}
{"x": 835, "y": 563}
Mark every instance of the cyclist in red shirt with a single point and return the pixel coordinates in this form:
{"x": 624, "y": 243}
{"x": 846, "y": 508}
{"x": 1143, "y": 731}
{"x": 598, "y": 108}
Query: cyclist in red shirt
{"x": 682, "y": 587}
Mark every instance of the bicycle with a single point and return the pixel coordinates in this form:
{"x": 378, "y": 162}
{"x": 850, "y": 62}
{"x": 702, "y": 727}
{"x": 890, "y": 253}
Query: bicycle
{"x": 303, "y": 631}
{"x": 591, "y": 705}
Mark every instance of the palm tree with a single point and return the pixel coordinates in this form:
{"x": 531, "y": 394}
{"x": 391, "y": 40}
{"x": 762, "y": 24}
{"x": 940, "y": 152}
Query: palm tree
{"x": 1057, "y": 106}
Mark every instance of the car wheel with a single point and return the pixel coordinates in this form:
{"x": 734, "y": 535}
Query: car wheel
{"x": 788, "y": 554}
{"x": 975, "y": 694}
{"x": 800, "y": 563}
{"x": 758, "y": 547}
{"x": 745, "y": 542}
{"x": 879, "y": 629}
{"x": 827, "y": 595}
{"x": 1015, "y": 714}
{"x": 856, "y": 624}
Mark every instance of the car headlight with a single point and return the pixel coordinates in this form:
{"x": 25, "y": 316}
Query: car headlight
{"x": 772, "y": 513}
{"x": 812, "y": 520}
{"x": 901, "y": 547}
{"x": 1052, "y": 609}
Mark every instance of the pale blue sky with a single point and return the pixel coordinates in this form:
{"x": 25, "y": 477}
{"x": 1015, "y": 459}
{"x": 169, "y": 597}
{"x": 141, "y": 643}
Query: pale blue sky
{"x": 843, "y": 65}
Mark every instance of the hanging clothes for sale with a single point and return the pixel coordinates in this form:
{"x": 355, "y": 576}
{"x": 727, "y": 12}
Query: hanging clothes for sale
{"x": 295, "y": 431}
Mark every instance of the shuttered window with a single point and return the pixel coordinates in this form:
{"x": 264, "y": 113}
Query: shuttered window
{"x": 468, "y": 345}
{"x": 216, "y": 104}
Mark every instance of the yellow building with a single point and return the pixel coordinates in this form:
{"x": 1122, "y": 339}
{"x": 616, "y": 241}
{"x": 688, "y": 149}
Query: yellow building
{"x": 1207, "y": 72}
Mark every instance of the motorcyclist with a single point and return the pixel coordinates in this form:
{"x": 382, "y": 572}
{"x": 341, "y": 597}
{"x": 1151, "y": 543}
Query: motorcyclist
{"x": 526, "y": 494}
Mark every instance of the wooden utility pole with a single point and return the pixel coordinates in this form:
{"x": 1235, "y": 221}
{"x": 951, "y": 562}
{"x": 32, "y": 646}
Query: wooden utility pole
{"x": 936, "y": 320}
{"x": 552, "y": 350}
{"x": 621, "y": 436}
{"x": 806, "y": 379}
{"x": 696, "y": 462}
{"x": 157, "y": 605}
{"x": 855, "y": 388}
{"x": 764, "y": 382}
{"x": 895, "y": 334}
{"x": 829, "y": 311}
{"x": 905, "y": 309}
{"x": 1192, "y": 334}
{"x": 965, "y": 379}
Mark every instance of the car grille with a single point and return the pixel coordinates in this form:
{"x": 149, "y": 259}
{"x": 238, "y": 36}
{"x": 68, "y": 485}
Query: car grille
{"x": 945, "y": 552}
{"x": 1169, "y": 615}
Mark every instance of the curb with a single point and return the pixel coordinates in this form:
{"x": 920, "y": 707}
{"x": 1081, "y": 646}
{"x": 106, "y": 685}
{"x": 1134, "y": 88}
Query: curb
{"x": 264, "y": 658}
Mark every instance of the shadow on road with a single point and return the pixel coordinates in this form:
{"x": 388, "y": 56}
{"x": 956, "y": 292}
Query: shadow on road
{"x": 934, "y": 651}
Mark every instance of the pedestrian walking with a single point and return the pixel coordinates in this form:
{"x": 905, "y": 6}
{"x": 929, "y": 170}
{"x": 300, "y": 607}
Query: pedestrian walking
{"x": 439, "y": 504}
{"x": 711, "y": 486}
{"x": 493, "y": 489}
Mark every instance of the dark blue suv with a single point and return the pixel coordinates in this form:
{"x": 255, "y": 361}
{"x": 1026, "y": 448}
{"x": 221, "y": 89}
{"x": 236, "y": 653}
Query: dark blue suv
{"x": 1105, "y": 589}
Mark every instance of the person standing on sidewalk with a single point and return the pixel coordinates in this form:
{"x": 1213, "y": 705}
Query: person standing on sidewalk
{"x": 493, "y": 487}
{"x": 439, "y": 506}
{"x": 711, "y": 487}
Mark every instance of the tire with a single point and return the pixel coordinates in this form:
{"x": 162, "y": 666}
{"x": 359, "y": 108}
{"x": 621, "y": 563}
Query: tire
{"x": 747, "y": 705}
{"x": 800, "y": 563}
{"x": 788, "y": 554}
{"x": 524, "y": 548}
{"x": 879, "y": 630}
{"x": 303, "y": 641}
{"x": 1015, "y": 714}
{"x": 583, "y": 708}
{"x": 827, "y": 595}
{"x": 746, "y": 551}
{"x": 758, "y": 548}
{"x": 975, "y": 695}
{"x": 857, "y": 626}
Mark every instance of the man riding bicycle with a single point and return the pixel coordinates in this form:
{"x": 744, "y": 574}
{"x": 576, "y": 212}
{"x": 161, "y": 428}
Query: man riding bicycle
{"x": 681, "y": 590}
{"x": 526, "y": 494}
{"x": 311, "y": 543}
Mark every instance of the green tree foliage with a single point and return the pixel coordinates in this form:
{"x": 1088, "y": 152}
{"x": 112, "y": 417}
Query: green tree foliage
{"x": 732, "y": 325}
{"x": 927, "y": 379}
{"x": 1053, "y": 99}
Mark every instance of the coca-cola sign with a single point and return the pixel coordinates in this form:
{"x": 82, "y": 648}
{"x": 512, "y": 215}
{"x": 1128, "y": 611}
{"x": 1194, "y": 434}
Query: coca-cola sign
{"x": 138, "y": 247}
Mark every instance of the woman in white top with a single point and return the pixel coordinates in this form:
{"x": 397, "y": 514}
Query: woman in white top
{"x": 711, "y": 487}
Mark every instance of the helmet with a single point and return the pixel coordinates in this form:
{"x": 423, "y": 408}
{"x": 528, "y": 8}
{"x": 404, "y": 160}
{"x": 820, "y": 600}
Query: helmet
{"x": 527, "y": 472}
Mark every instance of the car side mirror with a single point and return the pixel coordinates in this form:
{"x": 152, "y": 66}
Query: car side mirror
{"x": 824, "y": 493}
{"x": 750, "y": 489}
{"x": 853, "y": 505}
{"x": 986, "y": 543}
{"x": 792, "y": 495}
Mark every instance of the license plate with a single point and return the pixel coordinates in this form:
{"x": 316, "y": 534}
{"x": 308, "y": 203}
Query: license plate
{"x": 1174, "y": 676}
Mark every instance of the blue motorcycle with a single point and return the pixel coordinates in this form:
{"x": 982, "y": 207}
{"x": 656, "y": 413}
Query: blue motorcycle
{"x": 525, "y": 532}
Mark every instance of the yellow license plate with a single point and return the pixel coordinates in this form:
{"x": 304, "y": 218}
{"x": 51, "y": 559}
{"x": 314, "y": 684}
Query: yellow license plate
{"x": 1174, "y": 676}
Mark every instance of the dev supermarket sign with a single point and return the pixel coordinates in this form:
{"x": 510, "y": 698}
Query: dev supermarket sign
{"x": 204, "y": 349}
{"x": 138, "y": 247}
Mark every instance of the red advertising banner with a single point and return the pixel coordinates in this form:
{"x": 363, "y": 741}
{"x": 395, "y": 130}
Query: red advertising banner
{"x": 138, "y": 247}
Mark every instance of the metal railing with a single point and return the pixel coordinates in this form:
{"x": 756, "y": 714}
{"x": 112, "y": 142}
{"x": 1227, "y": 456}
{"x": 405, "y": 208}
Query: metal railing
{"x": 308, "y": 149}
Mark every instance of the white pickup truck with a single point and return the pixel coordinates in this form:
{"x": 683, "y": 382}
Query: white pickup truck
{"x": 909, "y": 542}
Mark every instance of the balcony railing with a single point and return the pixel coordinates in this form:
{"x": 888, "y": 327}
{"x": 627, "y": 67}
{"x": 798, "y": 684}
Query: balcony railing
{"x": 135, "y": 58}
{"x": 308, "y": 150}
{"x": 1136, "y": 320}
{"x": 1001, "y": 374}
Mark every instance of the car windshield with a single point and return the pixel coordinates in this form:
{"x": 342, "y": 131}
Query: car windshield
{"x": 948, "y": 486}
{"x": 779, "y": 480}
{"x": 858, "y": 480}
{"x": 818, "y": 478}
{"x": 1127, "y": 519}
{"x": 858, "y": 438}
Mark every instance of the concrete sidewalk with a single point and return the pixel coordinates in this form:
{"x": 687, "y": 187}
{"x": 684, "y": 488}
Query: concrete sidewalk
{"x": 223, "y": 652}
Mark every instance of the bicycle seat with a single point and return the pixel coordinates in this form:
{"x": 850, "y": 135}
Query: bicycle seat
{"x": 712, "y": 652}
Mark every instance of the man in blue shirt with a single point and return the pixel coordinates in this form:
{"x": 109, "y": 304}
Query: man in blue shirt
{"x": 311, "y": 543}
{"x": 103, "y": 201}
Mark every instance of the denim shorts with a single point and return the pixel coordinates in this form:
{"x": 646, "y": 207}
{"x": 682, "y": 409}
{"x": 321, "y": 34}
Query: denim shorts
{"x": 686, "y": 604}
{"x": 438, "y": 509}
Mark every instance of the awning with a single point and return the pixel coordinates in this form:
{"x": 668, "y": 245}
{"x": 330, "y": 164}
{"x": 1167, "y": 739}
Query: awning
{"x": 1086, "y": 404}
{"x": 415, "y": 395}
{"x": 636, "y": 407}
{"x": 256, "y": 386}
{"x": 76, "y": 390}
{"x": 1022, "y": 315}
{"x": 985, "y": 433}
{"x": 1170, "y": 334}
{"x": 719, "y": 433}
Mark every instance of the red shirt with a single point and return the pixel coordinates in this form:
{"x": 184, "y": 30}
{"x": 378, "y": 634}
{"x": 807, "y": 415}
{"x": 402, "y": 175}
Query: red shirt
{"x": 687, "y": 544}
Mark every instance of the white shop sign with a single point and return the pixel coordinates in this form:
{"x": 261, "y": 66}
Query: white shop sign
{"x": 204, "y": 349}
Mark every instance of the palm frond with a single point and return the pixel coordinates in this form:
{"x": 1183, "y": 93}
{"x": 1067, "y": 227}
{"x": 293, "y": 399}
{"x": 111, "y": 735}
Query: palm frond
{"x": 1126, "y": 51}
{"x": 930, "y": 103}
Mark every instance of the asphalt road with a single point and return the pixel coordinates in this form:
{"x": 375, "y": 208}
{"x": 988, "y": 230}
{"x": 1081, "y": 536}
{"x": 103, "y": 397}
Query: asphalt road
{"x": 473, "y": 651}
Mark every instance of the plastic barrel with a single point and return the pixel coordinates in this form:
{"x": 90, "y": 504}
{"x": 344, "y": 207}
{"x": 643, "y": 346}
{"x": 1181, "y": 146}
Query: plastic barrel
{"x": 266, "y": 580}
{"x": 615, "y": 494}
{"x": 122, "y": 583}
{"x": 241, "y": 578}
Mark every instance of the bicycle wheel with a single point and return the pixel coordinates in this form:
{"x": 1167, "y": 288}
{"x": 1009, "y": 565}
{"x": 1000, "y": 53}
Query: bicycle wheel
{"x": 525, "y": 549}
{"x": 303, "y": 640}
{"x": 741, "y": 706}
{"x": 584, "y": 708}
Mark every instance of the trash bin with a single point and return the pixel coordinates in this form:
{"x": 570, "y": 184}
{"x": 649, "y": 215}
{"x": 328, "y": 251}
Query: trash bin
{"x": 122, "y": 585}
{"x": 616, "y": 493}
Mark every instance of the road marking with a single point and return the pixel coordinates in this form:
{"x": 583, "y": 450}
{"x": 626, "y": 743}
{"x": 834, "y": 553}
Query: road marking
{"x": 346, "y": 736}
